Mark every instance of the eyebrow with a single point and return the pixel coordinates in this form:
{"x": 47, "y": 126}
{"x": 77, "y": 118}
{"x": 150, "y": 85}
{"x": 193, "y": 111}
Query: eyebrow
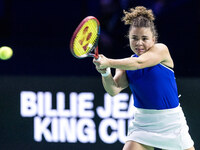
{"x": 137, "y": 36}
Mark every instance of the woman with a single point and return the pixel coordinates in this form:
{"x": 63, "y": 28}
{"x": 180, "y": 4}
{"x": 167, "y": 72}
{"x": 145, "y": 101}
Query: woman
{"x": 159, "y": 120}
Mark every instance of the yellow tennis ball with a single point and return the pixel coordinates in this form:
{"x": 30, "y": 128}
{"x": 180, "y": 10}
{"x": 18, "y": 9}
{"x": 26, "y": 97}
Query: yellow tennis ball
{"x": 5, "y": 52}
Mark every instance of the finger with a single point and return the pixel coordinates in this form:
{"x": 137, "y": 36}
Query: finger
{"x": 95, "y": 61}
{"x": 97, "y": 67}
{"x": 101, "y": 71}
{"x": 102, "y": 67}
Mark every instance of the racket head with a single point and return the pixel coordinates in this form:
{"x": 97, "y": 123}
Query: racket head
{"x": 85, "y": 38}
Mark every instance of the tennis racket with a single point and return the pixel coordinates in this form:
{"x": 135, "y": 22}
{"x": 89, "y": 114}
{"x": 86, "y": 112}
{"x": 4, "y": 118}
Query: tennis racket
{"x": 85, "y": 38}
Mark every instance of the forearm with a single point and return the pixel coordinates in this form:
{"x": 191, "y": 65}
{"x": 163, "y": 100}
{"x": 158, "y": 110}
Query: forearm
{"x": 124, "y": 64}
{"x": 110, "y": 85}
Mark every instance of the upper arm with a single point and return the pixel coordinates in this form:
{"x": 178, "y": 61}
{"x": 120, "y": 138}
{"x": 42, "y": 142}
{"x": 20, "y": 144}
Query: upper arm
{"x": 159, "y": 53}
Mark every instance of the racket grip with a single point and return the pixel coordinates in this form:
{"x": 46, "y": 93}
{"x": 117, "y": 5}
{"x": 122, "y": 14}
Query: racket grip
{"x": 96, "y": 55}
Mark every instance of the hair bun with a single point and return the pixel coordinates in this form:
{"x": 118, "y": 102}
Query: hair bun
{"x": 137, "y": 12}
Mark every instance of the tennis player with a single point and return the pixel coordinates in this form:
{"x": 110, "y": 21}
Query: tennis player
{"x": 159, "y": 121}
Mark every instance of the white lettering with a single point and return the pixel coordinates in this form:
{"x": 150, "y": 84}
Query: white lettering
{"x": 131, "y": 108}
{"x": 86, "y": 131}
{"x": 28, "y": 104}
{"x": 61, "y": 105}
{"x": 103, "y": 131}
{"x": 73, "y": 104}
{"x": 122, "y": 130}
{"x": 85, "y": 105}
{"x": 120, "y": 105}
{"x": 40, "y": 100}
{"x": 41, "y": 128}
{"x": 48, "y": 105}
{"x": 68, "y": 130}
{"x": 70, "y": 120}
{"x": 54, "y": 129}
{"x": 107, "y": 110}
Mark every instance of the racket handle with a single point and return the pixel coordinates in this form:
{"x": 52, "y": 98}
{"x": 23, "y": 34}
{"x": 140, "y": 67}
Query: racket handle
{"x": 96, "y": 55}
{"x": 98, "y": 59}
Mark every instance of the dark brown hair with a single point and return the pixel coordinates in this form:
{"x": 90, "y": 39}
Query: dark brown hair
{"x": 140, "y": 17}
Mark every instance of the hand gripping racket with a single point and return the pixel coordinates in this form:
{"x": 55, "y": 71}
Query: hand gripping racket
{"x": 85, "y": 38}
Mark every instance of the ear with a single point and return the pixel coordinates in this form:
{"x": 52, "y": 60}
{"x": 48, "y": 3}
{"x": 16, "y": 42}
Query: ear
{"x": 154, "y": 39}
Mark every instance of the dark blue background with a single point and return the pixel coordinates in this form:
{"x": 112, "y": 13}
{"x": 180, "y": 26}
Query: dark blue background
{"x": 17, "y": 131}
{"x": 39, "y": 32}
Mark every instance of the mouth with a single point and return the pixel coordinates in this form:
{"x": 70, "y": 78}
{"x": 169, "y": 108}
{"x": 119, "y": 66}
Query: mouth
{"x": 139, "y": 50}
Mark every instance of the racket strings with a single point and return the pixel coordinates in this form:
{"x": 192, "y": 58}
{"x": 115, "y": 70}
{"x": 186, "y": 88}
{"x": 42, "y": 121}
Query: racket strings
{"x": 86, "y": 38}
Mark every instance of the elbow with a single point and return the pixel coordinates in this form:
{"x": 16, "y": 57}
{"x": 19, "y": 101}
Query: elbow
{"x": 112, "y": 94}
{"x": 135, "y": 66}
{"x": 140, "y": 65}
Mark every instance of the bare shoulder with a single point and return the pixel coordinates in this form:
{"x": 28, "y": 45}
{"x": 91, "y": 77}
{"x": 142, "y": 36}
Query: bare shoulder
{"x": 167, "y": 61}
{"x": 162, "y": 47}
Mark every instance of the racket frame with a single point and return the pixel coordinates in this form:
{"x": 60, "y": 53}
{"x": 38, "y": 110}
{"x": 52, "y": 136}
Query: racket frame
{"x": 95, "y": 45}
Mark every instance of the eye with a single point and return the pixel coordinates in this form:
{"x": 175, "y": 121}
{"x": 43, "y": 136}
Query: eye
{"x": 144, "y": 38}
{"x": 134, "y": 38}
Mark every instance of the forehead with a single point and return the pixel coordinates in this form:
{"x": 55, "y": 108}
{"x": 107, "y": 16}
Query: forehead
{"x": 140, "y": 31}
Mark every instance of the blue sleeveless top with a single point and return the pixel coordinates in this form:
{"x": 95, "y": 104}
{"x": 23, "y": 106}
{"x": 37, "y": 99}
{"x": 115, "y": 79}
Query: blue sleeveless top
{"x": 153, "y": 87}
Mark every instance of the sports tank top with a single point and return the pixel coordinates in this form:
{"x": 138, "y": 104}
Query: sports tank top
{"x": 153, "y": 87}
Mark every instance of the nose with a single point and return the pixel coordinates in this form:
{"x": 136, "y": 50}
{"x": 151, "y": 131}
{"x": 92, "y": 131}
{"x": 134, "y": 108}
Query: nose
{"x": 139, "y": 42}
